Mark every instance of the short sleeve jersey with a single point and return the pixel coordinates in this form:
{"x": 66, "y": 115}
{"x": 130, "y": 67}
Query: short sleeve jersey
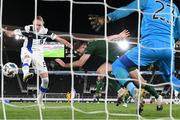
{"x": 33, "y": 41}
{"x": 98, "y": 48}
{"x": 158, "y": 17}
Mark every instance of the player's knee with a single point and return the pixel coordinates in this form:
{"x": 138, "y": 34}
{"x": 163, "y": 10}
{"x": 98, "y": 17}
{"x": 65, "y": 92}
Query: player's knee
{"x": 100, "y": 77}
{"x": 101, "y": 74}
{"x": 43, "y": 74}
{"x": 26, "y": 56}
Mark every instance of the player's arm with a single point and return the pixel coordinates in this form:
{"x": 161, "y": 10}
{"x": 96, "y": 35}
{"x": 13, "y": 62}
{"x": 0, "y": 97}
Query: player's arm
{"x": 126, "y": 10}
{"x": 12, "y": 33}
{"x": 98, "y": 21}
{"x": 177, "y": 26}
{"x": 78, "y": 63}
{"x": 8, "y": 33}
{"x": 120, "y": 36}
{"x": 63, "y": 41}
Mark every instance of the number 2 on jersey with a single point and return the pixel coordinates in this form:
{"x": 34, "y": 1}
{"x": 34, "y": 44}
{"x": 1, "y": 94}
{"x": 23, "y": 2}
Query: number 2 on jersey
{"x": 157, "y": 16}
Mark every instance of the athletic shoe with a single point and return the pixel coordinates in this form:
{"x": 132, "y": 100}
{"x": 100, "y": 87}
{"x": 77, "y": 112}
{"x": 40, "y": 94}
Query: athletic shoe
{"x": 27, "y": 77}
{"x": 121, "y": 92}
{"x": 137, "y": 94}
{"x": 125, "y": 105}
{"x": 120, "y": 95}
{"x": 159, "y": 103}
{"x": 141, "y": 105}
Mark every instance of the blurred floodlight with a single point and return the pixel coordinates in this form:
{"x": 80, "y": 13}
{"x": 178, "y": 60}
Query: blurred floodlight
{"x": 17, "y": 37}
{"x": 123, "y": 44}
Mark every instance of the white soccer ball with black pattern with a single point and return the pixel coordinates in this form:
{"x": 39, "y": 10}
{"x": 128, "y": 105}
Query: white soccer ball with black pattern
{"x": 10, "y": 69}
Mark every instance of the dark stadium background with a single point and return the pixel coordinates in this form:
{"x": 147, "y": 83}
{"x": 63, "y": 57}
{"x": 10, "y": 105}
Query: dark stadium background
{"x": 56, "y": 14}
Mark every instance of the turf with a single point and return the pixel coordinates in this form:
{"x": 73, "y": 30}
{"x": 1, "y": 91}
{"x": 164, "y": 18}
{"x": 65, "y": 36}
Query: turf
{"x": 85, "y": 111}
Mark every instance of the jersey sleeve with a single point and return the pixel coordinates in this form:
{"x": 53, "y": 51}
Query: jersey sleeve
{"x": 127, "y": 10}
{"x": 17, "y": 32}
{"x": 177, "y": 27}
{"x": 91, "y": 48}
{"x": 51, "y": 35}
{"x": 25, "y": 31}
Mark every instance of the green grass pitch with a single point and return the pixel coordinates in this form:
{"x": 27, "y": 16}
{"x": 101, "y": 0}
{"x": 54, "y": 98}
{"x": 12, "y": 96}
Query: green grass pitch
{"x": 85, "y": 111}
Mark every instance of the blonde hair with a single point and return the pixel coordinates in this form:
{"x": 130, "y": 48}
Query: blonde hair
{"x": 39, "y": 18}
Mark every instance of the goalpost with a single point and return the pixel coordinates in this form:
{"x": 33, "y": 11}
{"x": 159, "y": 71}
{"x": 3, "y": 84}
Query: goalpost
{"x": 59, "y": 97}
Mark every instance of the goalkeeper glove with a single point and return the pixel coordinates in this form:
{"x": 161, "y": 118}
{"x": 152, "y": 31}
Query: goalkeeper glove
{"x": 97, "y": 21}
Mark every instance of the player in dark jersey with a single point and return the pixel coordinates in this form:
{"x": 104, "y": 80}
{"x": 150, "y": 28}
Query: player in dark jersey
{"x": 98, "y": 49}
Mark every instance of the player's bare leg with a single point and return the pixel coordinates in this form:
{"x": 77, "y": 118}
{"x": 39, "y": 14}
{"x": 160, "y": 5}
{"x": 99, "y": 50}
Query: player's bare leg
{"x": 150, "y": 89}
{"x": 99, "y": 83}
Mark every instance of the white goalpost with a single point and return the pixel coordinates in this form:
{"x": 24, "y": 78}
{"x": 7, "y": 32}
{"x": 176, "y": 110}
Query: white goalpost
{"x": 61, "y": 97}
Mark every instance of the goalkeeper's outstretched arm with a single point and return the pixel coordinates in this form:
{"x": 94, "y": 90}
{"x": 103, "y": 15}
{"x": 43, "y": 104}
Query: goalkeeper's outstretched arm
{"x": 97, "y": 21}
{"x": 127, "y": 10}
{"x": 177, "y": 28}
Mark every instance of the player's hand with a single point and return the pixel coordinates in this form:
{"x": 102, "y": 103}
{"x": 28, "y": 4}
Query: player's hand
{"x": 60, "y": 62}
{"x": 69, "y": 45}
{"x": 120, "y": 36}
{"x": 178, "y": 43}
{"x": 124, "y": 34}
{"x": 4, "y": 30}
{"x": 96, "y": 22}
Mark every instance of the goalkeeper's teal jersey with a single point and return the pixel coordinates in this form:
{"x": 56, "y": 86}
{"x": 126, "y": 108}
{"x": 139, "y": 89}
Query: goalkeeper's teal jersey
{"x": 156, "y": 21}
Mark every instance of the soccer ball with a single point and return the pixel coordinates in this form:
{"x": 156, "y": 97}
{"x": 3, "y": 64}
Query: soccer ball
{"x": 10, "y": 69}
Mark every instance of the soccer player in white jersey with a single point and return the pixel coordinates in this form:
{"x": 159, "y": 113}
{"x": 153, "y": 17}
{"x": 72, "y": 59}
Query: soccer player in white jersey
{"x": 32, "y": 50}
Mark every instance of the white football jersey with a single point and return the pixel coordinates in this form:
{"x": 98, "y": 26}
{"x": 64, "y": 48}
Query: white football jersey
{"x": 34, "y": 41}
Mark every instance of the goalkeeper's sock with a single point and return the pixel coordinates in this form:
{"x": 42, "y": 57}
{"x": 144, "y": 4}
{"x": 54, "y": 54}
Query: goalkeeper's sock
{"x": 152, "y": 91}
{"x": 99, "y": 86}
{"x": 131, "y": 88}
{"x": 114, "y": 84}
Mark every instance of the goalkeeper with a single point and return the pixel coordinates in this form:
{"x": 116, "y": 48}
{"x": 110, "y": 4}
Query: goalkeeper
{"x": 156, "y": 39}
